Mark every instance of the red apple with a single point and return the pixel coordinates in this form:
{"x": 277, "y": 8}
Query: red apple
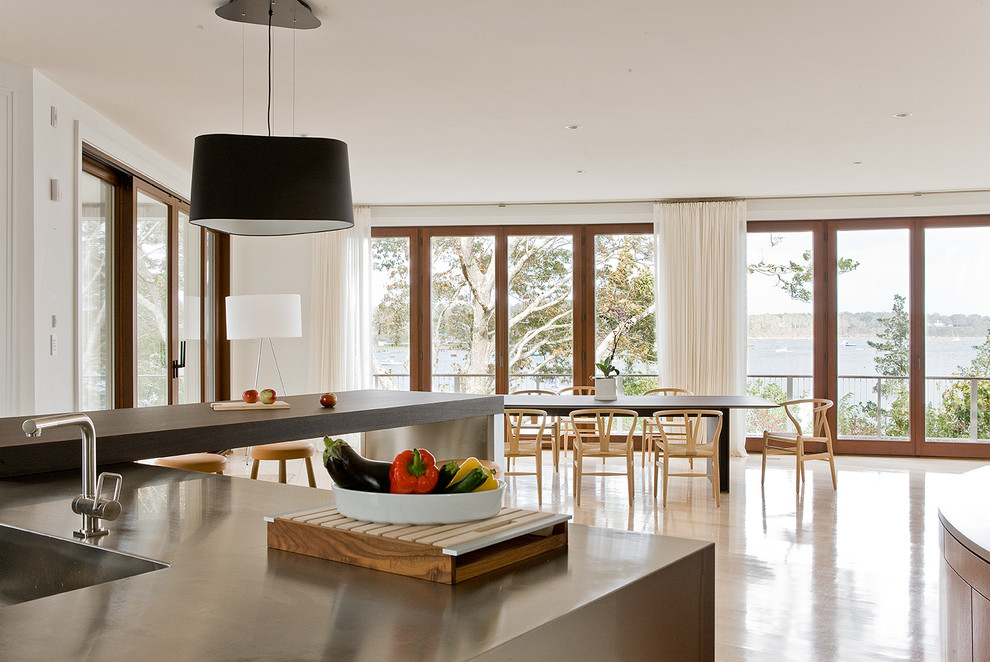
{"x": 328, "y": 399}
{"x": 267, "y": 396}
{"x": 249, "y": 395}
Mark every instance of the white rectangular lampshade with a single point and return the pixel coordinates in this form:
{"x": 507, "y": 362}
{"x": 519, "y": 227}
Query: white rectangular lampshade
{"x": 264, "y": 316}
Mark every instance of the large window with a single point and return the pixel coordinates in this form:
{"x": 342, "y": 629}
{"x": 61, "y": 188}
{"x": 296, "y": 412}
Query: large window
{"x": 957, "y": 335}
{"x": 143, "y": 299}
{"x": 501, "y": 309}
{"x": 97, "y": 198}
{"x": 883, "y": 317}
{"x": 874, "y": 334}
{"x": 541, "y": 312}
{"x": 391, "y": 361}
{"x": 462, "y": 314}
{"x": 625, "y": 308}
{"x": 780, "y": 352}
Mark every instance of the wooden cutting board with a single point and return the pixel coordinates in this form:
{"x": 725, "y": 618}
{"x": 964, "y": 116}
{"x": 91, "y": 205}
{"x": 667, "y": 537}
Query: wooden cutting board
{"x": 237, "y": 405}
{"x": 445, "y": 553}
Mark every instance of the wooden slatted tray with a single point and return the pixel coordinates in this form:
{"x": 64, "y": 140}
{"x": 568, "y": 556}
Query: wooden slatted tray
{"x": 239, "y": 405}
{"x": 445, "y": 553}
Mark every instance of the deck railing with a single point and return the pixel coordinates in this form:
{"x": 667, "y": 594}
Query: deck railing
{"x": 480, "y": 383}
{"x": 874, "y": 389}
{"x": 863, "y": 389}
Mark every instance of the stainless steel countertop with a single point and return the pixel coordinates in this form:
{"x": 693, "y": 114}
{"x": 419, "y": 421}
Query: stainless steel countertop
{"x": 226, "y": 596}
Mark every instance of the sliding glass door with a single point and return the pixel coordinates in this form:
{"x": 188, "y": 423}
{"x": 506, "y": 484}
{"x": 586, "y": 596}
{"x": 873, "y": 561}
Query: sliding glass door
{"x": 957, "y": 337}
{"x": 142, "y": 297}
{"x": 899, "y": 325}
{"x": 873, "y": 348}
{"x": 780, "y": 301}
{"x": 462, "y": 313}
{"x": 541, "y": 312}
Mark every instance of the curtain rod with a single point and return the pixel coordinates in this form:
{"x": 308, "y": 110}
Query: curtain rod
{"x": 669, "y": 200}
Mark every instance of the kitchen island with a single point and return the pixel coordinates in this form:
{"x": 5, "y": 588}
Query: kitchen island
{"x": 225, "y": 596}
{"x": 455, "y": 425}
{"x": 964, "y": 572}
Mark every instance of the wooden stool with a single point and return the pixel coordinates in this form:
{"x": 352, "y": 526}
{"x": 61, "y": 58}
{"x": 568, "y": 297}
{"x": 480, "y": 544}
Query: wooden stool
{"x": 282, "y": 451}
{"x": 210, "y": 463}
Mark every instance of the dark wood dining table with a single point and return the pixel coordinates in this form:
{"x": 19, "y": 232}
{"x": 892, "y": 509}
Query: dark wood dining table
{"x": 646, "y": 405}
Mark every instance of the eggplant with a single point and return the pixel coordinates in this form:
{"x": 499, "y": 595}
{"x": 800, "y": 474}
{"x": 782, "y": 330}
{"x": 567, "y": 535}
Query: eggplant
{"x": 352, "y": 471}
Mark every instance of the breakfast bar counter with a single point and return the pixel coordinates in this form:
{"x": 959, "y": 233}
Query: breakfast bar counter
{"x": 226, "y": 596}
{"x": 465, "y": 425}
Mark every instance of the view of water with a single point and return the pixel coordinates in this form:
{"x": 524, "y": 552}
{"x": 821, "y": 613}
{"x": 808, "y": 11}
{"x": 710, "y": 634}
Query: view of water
{"x": 771, "y": 356}
{"x": 794, "y": 356}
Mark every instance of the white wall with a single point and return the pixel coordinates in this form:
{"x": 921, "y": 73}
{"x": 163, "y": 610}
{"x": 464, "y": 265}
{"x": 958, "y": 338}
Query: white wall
{"x": 274, "y": 265}
{"x": 43, "y": 245}
{"x": 869, "y": 206}
{"x": 16, "y": 226}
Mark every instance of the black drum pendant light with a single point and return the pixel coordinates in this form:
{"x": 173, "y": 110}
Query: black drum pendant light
{"x": 270, "y": 185}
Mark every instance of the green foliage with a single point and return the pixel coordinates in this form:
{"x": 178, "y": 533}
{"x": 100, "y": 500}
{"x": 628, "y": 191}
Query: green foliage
{"x": 953, "y": 418}
{"x": 540, "y": 305}
{"x": 795, "y": 278}
{"x": 624, "y": 289}
{"x": 759, "y": 420}
{"x": 893, "y": 350}
{"x": 390, "y": 259}
{"x": 948, "y": 419}
{"x": 540, "y": 302}
{"x": 638, "y": 385}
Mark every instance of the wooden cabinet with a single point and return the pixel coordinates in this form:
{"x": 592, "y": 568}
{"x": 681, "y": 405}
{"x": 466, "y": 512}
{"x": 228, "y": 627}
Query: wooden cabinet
{"x": 964, "y": 606}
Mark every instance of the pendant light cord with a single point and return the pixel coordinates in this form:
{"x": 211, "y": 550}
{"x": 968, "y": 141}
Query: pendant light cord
{"x": 270, "y": 12}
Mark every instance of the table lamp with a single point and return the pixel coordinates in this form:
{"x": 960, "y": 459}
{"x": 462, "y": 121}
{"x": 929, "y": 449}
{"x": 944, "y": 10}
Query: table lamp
{"x": 264, "y": 316}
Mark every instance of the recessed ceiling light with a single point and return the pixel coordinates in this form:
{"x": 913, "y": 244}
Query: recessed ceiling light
{"x": 902, "y": 116}
{"x": 580, "y": 172}
{"x": 855, "y": 163}
{"x": 574, "y": 127}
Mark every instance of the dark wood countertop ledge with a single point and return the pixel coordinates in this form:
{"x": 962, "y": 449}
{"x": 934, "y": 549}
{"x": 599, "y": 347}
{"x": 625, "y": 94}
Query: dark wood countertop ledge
{"x": 125, "y": 435}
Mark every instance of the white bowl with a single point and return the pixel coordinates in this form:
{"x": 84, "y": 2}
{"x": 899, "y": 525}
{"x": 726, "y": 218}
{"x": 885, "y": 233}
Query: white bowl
{"x": 418, "y": 508}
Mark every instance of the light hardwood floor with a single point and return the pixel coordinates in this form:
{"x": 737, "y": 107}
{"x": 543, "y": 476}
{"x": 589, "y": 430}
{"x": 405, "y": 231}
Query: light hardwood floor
{"x": 841, "y": 575}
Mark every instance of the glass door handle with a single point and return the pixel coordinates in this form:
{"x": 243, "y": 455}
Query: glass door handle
{"x": 181, "y": 363}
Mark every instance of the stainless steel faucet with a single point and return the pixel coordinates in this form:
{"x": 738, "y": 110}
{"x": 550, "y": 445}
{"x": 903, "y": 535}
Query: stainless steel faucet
{"x": 90, "y": 504}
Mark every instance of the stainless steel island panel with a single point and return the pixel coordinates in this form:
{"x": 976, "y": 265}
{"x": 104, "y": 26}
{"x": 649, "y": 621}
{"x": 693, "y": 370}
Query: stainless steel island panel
{"x": 226, "y": 596}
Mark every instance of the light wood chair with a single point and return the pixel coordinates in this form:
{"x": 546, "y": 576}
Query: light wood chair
{"x": 796, "y": 443}
{"x": 650, "y": 425}
{"x": 564, "y": 424}
{"x": 686, "y": 433}
{"x": 524, "y": 430}
{"x": 210, "y": 463}
{"x": 591, "y": 432}
{"x": 282, "y": 451}
{"x": 577, "y": 390}
{"x": 553, "y": 426}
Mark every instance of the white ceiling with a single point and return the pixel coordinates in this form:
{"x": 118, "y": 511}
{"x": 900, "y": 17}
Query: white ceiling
{"x": 467, "y": 100}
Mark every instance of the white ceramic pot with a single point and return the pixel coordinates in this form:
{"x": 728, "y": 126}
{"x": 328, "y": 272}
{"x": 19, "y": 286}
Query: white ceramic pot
{"x": 418, "y": 508}
{"x": 606, "y": 388}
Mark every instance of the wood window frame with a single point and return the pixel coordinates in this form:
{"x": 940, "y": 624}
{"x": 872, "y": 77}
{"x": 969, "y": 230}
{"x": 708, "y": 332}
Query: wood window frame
{"x": 123, "y": 265}
{"x": 825, "y": 327}
{"x": 583, "y": 251}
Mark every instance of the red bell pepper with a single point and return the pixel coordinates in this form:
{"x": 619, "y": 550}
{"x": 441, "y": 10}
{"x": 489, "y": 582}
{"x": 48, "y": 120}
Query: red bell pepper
{"x": 413, "y": 472}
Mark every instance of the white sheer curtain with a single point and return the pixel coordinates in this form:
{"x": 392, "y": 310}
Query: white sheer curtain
{"x": 701, "y": 305}
{"x": 342, "y": 306}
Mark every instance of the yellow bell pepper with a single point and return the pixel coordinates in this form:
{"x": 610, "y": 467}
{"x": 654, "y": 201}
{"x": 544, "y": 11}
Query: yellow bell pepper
{"x": 466, "y": 467}
{"x": 489, "y": 484}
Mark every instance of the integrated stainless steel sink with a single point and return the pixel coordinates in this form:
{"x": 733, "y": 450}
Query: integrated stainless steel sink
{"x": 33, "y": 565}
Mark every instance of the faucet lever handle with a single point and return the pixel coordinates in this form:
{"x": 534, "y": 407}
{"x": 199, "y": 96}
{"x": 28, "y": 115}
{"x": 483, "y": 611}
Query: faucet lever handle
{"x": 108, "y": 509}
{"x": 116, "y": 488}
{"x": 98, "y": 506}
